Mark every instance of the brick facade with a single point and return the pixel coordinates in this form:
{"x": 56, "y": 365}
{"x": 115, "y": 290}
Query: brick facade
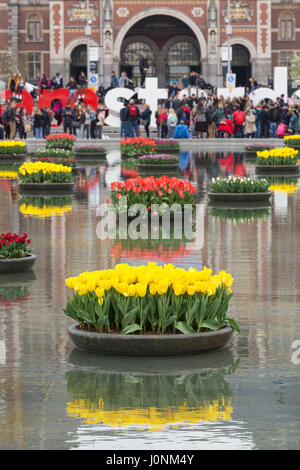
{"x": 266, "y": 31}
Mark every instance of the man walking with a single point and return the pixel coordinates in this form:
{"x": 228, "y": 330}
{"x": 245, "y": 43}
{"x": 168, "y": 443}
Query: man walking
{"x": 12, "y": 120}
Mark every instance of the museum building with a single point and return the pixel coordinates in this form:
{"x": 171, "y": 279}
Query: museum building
{"x": 49, "y": 36}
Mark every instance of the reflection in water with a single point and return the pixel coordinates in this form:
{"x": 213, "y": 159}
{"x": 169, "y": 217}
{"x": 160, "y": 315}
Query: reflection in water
{"x": 149, "y": 402}
{"x": 37, "y": 379}
{"x": 45, "y": 206}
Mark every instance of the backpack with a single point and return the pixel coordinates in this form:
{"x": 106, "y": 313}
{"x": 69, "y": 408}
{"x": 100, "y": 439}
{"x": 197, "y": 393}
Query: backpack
{"x": 132, "y": 110}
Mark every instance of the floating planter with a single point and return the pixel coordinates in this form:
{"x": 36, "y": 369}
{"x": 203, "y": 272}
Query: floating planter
{"x": 45, "y": 206}
{"x": 158, "y": 163}
{"x": 89, "y": 151}
{"x": 60, "y": 141}
{"x": 12, "y": 150}
{"x": 55, "y": 153}
{"x": 148, "y": 191}
{"x": 44, "y": 176}
{"x": 169, "y": 310}
{"x": 292, "y": 141}
{"x": 277, "y": 161}
{"x": 239, "y": 190}
{"x": 15, "y": 253}
{"x": 136, "y": 146}
{"x": 171, "y": 146}
{"x": 251, "y": 150}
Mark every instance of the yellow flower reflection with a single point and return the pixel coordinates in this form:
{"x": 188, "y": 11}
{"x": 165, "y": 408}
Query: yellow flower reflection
{"x": 286, "y": 188}
{"x": 45, "y": 211}
{"x": 8, "y": 174}
{"x": 152, "y": 419}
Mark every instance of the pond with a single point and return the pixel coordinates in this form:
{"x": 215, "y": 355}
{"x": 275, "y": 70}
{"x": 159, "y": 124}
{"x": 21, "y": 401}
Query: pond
{"x": 245, "y": 396}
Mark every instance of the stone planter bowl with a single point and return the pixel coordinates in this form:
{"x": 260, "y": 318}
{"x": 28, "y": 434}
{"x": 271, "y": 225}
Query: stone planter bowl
{"x": 90, "y": 155}
{"x": 149, "y": 345}
{"x": 46, "y": 187}
{"x": 240, "y": 197}
{"x": 17, "y": 265}
{"x": 277, "y": 170}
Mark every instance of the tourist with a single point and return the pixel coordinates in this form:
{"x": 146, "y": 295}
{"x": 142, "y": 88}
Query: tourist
{"x": 157, "y": 119}
{"x": 82, "y": 85}
{"x": 79, "y": 120}
{"x": 44, "y": 83}
{"x": 57, "y": 81}
{"x": 200, "y": 121}
{"x": 12, "y": 120}
{"x": 211, "y": 125}
{"x": 218, "y": 115}
{"x": 238, "y": 118}
{"x": 57, "y": 111}
{"x": 146, "y": 118}
{"x": 265, "y": 122}
{"x": 72, "y": 86}
{"x": 93, "y": 120}
{"x": 20, "y": 122}
{"x": 181, "y": 131}
{"x": 101, "y": 115}
{"x": 124, "y": 81}
{"x": 133, "y": 114}
{"x": 13, "y": 83}
{"x": 172, "y": 123}
{"x": 87, "y": 122}
{"x": 46, "y": 121}
{"x": 185, "y": 81}
{"x": 114, "y": 81}
{"x": 38, "y": 124}
{"x": 163, "y": 121}
{"x": 226, "y": 127}
{"x": 144, "y": 67}
{"x": 250, "y": 127}
{"x": 68, "y": 119}
{"x": 294, "y": 122}
{"x": 124, "y": 121}
{"x": 20, "y": 86}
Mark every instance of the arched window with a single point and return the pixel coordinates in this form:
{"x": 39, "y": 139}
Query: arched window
{"x": 286, "y": 26}
{"x": 183, "y": 57}
{"x": 131, "y": 56}
{"x": 34, "y": 28}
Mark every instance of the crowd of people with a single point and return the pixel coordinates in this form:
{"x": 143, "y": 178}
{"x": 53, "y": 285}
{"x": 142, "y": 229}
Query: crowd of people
{"x": 198, "y": 115}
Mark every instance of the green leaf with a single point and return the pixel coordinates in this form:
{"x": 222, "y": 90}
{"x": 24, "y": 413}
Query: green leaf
{"x": 210, "y": 324}
{"x": 234, "y": 324}
{"x": 130, "y": 317}
{"x": 184, "y": 328}
{"x": 131, "y": 329}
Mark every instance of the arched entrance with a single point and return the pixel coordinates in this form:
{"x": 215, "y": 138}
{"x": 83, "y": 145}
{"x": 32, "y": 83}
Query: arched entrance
{"x": 164, "y": 37}
{"x": 78, "y": 61}
{"x": 241, "y": 64}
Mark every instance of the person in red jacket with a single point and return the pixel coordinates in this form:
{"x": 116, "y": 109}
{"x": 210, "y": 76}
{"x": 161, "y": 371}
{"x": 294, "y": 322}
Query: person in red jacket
{"x": 239, "y": 120}
{"x": 225, "y": 128}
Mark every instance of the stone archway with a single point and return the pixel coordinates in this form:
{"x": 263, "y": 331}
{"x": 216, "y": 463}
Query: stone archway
{"x": 70, "y": 49}
{"x": 151, "y": 14}
{"x": 244, "y": 53}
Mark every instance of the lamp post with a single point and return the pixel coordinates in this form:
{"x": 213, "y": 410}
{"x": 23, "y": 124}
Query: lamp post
{"x": 101, "y": 73}
{"x": 88, "y": 32}
{"x": 219, "y": 61}
{"x": 229, "y": 32}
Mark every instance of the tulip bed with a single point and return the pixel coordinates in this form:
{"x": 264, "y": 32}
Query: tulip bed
{"x": 14, "y": 246}
{"x": 159, "y": 159}
{"x": 151, "y": 298}
{"x": 53, "y": 153}
{"x": 12, "y": 147}
{"x": 167, "y": 145}
{"x": 61, "y": 141}
{"x": 257, "y": 148}
{"x": 43, "y": 172}
{"x": 281, "y": 156}
{"x": 92, "y": 149}
{"x": 136, "y": 146}
{"x": 148, "y": 191}
{"x": 238, "y": 185}
{"x": 292, "y": 140}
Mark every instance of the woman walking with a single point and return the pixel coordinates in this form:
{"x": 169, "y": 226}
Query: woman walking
{"x": 172, "y": 122}
{"x": 146, "y": 118}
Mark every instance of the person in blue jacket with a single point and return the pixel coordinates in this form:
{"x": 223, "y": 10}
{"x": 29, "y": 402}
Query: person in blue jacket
{"x": 181, "y": 131}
